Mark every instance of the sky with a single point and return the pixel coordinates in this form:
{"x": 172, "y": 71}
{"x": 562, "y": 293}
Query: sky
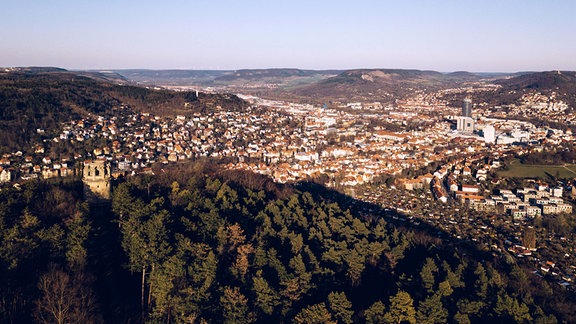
{"x": 440, "y": 35}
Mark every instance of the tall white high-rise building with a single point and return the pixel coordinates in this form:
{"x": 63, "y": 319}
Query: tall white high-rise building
{"x": 465, "y": 123}
{"x": 467, "y": 107}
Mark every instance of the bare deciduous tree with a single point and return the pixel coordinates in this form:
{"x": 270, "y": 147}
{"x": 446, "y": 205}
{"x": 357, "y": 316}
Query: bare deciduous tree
{"x": 65, "y": 298}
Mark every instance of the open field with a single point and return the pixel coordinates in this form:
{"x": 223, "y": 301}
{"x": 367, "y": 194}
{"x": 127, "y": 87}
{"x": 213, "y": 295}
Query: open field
{"x": 520, "y": 170}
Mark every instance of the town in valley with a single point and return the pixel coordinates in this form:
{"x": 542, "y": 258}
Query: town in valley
{"x": 427, "y": 159}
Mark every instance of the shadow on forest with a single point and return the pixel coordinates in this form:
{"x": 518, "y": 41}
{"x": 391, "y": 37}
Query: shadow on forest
{"x": 410, "y": 241}
{"x": 423, "y": 233}
{"x": 116, "y": 288}
{"x": 425, "y": 237}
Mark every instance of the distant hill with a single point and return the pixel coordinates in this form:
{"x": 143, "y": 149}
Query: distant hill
{"x": 463, "y": 75}
{"x": 561, "y": 81}
{"x": 271, "y": 82}
{"x": 36, "y": 98}
{"x": 172, "y": 77}
{"x": 385, "y": 85}
{"x": 500, "y": 75}
{"x": 234, "y": 80}
{"x": 514, "y": 86}
{"x": 107, "y": 76}
{"x": 287, "y": 83}
{"x": 36, "y": 69}
{"x": 379, "y": 84}
{"x": 273, "y": 73}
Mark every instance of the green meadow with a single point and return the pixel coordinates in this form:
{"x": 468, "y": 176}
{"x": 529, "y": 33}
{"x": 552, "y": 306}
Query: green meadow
{"x": 520, "y": 170}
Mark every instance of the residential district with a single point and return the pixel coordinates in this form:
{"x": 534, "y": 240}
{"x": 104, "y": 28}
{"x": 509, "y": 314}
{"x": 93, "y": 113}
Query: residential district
{"x": 420, "y": 159}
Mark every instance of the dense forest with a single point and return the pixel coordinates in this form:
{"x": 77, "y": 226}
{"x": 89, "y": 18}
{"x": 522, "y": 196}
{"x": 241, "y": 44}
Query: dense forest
{"x": 197, "y": 245}
{"x": 32, "y": 100}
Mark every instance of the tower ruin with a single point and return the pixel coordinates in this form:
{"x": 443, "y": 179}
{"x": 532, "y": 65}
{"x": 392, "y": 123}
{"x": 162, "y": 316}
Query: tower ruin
{"x": 96, "y": 179}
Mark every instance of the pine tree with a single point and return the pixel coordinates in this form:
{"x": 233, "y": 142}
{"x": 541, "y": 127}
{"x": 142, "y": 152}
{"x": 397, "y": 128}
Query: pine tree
{"x": 315, "y": 314}
{"x": 340, "y": 307}
{"x": 427, "y": 274}
{"x": 266, "y": 299}
{"x": 401, "y": 309}
{"x": 431, "y": 310}
{"x": 375, "y": 313}
{"x": 234, "y": 306}
{"x": 481, "y": 283}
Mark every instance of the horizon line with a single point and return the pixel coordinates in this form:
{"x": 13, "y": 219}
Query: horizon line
{"x": 275, "y": 68}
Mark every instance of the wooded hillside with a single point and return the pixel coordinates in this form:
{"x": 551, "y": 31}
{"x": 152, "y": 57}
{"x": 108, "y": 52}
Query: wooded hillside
{"x": 31, "y": 100}
{"x": 193, "y": 245}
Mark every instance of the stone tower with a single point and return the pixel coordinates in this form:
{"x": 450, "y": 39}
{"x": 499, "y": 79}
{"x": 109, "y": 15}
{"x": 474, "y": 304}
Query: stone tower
{"x": 96, "y": 178}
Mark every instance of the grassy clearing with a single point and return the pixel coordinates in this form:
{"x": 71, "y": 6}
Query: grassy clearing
{"x": 520, "y": 170}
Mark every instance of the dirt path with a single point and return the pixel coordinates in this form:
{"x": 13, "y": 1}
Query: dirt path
{"x": 568, "y": 169}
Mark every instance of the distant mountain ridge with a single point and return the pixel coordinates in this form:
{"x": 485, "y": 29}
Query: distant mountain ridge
{"x": 106, "y": 76}
{"x": 385, "y": 85}
{"x": 463, "y": 75}
{"x": 273, "y": 73}
{"x": 233, "y": 78}
{"x": 382, "y": 84}
{"x": 171, "y": 77}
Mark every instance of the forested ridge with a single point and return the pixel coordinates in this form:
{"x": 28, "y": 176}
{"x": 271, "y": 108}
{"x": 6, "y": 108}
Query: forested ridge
{"x": 196, "y": 245}
{"x": 32, "y": 100}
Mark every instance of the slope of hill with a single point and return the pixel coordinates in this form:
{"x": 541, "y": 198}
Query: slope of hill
{"x": 383, "y": 85}
{"x": 208, "y": 246}
{"x": 106, "y": 76}
{"x": 560, "y": 84}
{"x": 233, "y": 80}
{"x": 380, "y": 84}
{"x": 32, "y": 99}
{"x": 271, "y": 82}
{"x": 172, "y": 77}
{"x": 272, "y": 73}
{"x": 462, "y": 75}
{"x": 560, "y": 81}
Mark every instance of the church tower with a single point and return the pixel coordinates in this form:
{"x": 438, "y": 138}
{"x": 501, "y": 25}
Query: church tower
{"x": 96, "y": 178}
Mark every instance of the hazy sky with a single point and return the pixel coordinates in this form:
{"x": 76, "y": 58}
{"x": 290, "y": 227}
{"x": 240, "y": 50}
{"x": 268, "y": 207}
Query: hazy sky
{"x": 441, "y": 35}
